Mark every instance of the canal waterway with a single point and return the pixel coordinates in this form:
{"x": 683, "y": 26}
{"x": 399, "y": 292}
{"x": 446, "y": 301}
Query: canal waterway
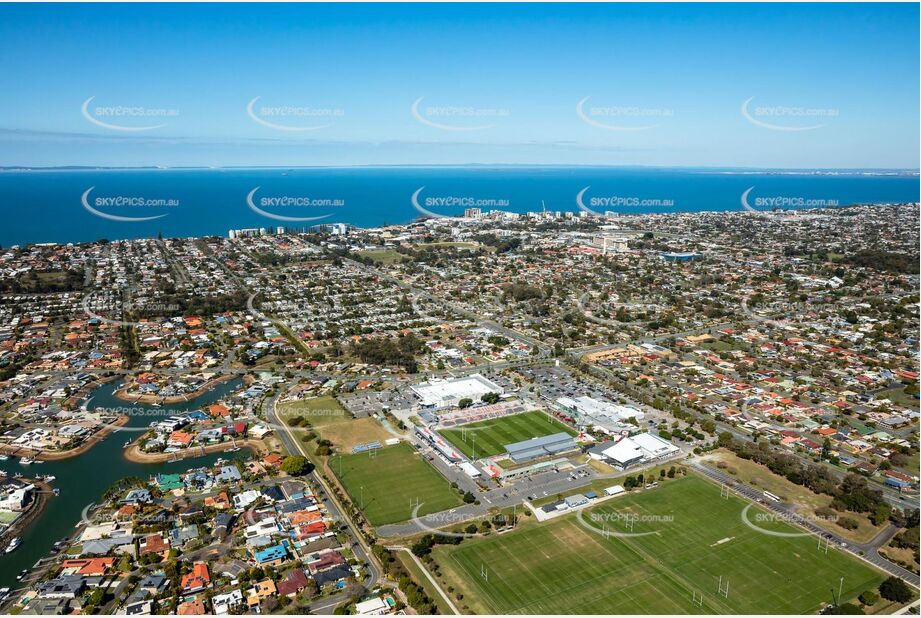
{"x": 82, "y": 480}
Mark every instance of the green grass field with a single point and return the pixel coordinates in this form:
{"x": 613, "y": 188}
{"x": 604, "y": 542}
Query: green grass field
{"x": 562, "y": 567}
{"x": 320, "y": 411}
{"x": 384, "y": 486}
{"x": 492, "y": 436}
{"x": 382, "y": 256}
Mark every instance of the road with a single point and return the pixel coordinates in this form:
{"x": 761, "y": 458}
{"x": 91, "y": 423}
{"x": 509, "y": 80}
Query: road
{"x": 865, "y": 551}
{"x": 428, "y": 576}
{"x": 361, "y": 549}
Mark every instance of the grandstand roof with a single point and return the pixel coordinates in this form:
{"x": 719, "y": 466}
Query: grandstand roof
{"x": 539, "y": 447}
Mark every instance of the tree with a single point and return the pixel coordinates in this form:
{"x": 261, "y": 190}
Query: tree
{"x": 846, "y": 609}
{"x": 869, "y": 597}
{"x": 894, "y": 589}
{"x": 296, "y": 465}
{"x": 466, "y": 402}
{"x": 490, "y": 398}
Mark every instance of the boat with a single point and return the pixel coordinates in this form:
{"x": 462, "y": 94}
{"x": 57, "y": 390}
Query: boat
{"x": 127, "y": 444}
{"x": 4, "y": 592}
{"x": 22, "y": 574}
{"x": 14, "y": 544}
{"x": 25, "y": 461}
{"x": 4, "y": 458}
{"x": 233, "y": 450}
{"x": 56, "y": 491}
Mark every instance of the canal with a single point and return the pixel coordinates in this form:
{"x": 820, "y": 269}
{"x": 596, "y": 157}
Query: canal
{"x": 83, "y": 479}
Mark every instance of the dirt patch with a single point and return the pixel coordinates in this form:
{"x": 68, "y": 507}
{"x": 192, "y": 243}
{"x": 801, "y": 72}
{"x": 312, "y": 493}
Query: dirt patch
{"x": 360, "y": 431}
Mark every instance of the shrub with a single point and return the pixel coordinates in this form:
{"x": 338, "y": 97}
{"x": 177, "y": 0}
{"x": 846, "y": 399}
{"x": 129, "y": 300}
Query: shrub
{"x": 848, "y": 523}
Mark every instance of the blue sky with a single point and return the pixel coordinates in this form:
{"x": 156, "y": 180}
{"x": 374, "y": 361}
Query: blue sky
{"x": 828, "y": 86}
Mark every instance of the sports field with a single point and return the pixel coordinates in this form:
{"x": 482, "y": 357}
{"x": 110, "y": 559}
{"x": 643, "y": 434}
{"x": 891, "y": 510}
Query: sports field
{"x": 488, "y": 438}
{"x": 563, "y": 567}
{"x": 388, "y": 485}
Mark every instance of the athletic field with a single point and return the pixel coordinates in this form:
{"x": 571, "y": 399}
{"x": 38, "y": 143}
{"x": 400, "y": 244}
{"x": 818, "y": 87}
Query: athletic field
{"x": 388, "y": 485}
{"x": 488, "y": 438}
{"x": 698, "y": 536}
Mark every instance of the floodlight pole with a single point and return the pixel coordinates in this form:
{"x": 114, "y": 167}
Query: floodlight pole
{"x": 840, "y": 586}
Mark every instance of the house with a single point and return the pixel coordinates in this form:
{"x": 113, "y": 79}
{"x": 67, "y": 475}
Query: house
{"x": 195, "y": 607}
{"x": 333, "y": 575}
{"x": 143, "y": 607}
{"x": 180, "y": 536}
{"x": 137, "y": 496}
{"x": 273, "y": 555}
{"x": 221, "y": 525}
{"x": 323, "y": 560}
{"x": 154, "y": 584}
{"x": 260, "y": 592}
{"x": 226, "y": 602}
{"x": 272, "y": 460}
{"x": 153, "y": 543}
{"x": 293, "y": 583}
{"x": 169, "y": 482}
{"x": 228, "y": 474}
{"x": 273, "y": 494}
{"x": 197, "y": 580}
{"x": 62, "y": 587}
{"x": 372, "y": 607}
{"x": 87, "y": 566}
{"x": 244, "y": 499}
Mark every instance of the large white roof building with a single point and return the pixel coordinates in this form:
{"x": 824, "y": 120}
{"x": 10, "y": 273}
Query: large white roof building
{"x": 447, "y": 393}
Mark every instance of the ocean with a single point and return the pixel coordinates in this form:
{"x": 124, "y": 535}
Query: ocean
{"x": 84, "y": 205}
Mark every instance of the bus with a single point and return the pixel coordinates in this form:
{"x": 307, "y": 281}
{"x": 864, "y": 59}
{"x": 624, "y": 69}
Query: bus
{"x": 771, "y": 496}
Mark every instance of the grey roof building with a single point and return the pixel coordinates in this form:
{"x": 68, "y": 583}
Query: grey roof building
{"x": 541, "y": 447}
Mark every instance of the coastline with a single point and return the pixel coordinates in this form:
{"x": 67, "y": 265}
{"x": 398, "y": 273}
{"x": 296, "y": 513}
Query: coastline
{"x": 33, "y": 511}
{"x": 86, "y": 445}
{"x": 123, "y": 394}
{"x": 134, "y": 454}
